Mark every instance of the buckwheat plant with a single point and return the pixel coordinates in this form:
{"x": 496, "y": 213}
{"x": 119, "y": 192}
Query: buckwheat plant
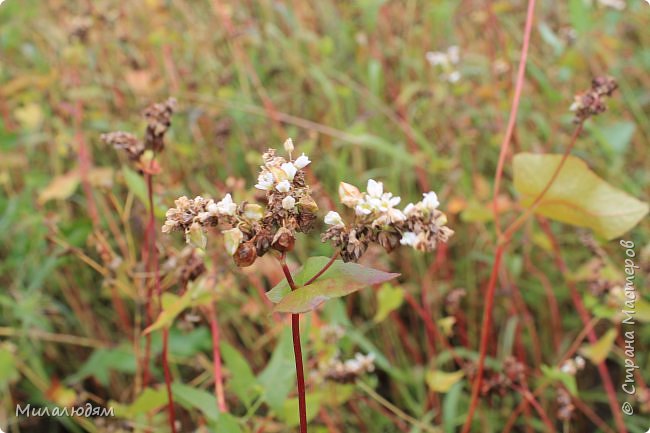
{"x": 251, "y": 230}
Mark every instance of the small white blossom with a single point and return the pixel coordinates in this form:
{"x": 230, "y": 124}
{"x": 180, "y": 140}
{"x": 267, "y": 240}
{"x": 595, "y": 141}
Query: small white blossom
{"x": 453, "y": 77}
{"x": 363, "y": 208}
{"x": 288, "y": 145}
{"x": 289, "y": 169}
{"x": 288, "y": 202}
{"x": 302, "y": 161}
{"x": 430, "y": 201}
{"x": 375, "y": 189}
{"x": 409, "y": 209}
{"x": 226, "y": 206}
{"x": 283, "y": 186}
{"x": 408, "y": 238}
{"x": 232, "y": 239}
{"x": 265, "y": 181}
{"x": 334, "y": 219}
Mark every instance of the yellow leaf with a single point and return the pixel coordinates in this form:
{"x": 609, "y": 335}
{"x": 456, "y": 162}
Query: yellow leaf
{"x": 441, "y": 381}
{"x": 598, "y": 351}
{"x": 60, "y": 188}
{"x": 578, "y": 196}
{"x": 446, "y": 324}
{"x": 30, "y": 116}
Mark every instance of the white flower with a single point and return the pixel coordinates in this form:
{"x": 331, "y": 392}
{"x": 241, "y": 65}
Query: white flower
{"x": 288, "y": 202}
{"x": 288, "y": 145}
{"x": 302, "y": 161}
{"x": 364, "y": 208}
{"x": 436, "y": 58}
{"x": 409, "y": 209}
{"x": 453, "y": 77}
{"x": 408, "y": 238}
{"x": 387, "y": 202}
{"x": 212, "y": 207}
{"x": 334, "y": 219}
{"x": 226, "y": 206}
{"x": 265, "y": 181}
{"x": 283, "y": 186}
{"x": 374, "y": 188}
{"x": 289, "y": 169}
{"x": 232, "y": 239}
{"x": 453, "y": 54}
{"x": 430, "y": 201}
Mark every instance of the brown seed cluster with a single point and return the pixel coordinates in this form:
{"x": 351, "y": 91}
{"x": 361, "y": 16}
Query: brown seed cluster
{"x": 592, "y": 102}
{"x": 377, "y": 220}
{"x": 158, "y": 118}
{"x": 251, "y": 230}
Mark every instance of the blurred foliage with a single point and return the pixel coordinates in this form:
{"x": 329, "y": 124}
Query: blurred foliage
{"x": 351, "y": 83}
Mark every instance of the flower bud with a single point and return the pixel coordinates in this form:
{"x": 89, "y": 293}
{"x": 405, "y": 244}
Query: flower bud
{"x": 232, "y": 238}
{"x": 288, "y": 202}
{"x": 307, "y": 204}
{"x": 245, "y": 255}
{"x": 283, "y": 240}
{"x": 349, "y": 194}
{"x": 253, "y": 212}
{"x": 288, "y": 145}
{"x": 195, "y": 236}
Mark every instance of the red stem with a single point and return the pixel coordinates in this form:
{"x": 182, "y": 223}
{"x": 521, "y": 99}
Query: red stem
{"x": 297, "y": 350}
{"x": 485, "y": 334}
{"x": 322, "y": 271}
{"x": 591, "y": 335}
{"x": 513, "y": 111}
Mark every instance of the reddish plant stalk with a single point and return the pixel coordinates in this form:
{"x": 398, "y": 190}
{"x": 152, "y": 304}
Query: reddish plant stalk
{"x": 513, "y": 111}
{"x": 297, "y": 350}
{"x": 152, "y": 265}
{"x": 591, "y": 335}
{"x": 216, "y": 360}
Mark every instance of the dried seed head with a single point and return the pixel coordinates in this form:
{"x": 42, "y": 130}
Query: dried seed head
{"x": 129, "y": 143}
{"x": 246, "y": 254}
{"x": 283, "y": 240}
{"x": 592, "y": 102}
{"x": 158, "y": 118}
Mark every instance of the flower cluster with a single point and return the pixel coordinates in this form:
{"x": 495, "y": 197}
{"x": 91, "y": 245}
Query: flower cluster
{"x": 573, "y": 365}
{"x": 446, "y": 62}
{"x": 251, "y": 230}
{"x": 592, "y": 102}
{"x": 350, "y": 370}
{"x": 377, "y": 220}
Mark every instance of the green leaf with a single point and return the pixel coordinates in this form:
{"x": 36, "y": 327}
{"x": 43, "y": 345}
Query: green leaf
{"x": 242, "y": 381}
{"x": 103, "y": 361}
{"x": 290, "y": 413}
{"x": 173, "y": 305}
{"x": 149, "y": 400}
{"x": 8, "y": 370}
{"x": 339, "y": 280}
{"x": 192, "y": 398}
{"x": 279, "y": 377}
{"x": 441, "y": 381}
{"x": 228, "y": 424}
{"x": 450, "y": 408}
{"x": 598, "y": 351}
{"x": 578, "y": 196}
{"x": 555, "y": 374}
{"x": 389, "y": 298}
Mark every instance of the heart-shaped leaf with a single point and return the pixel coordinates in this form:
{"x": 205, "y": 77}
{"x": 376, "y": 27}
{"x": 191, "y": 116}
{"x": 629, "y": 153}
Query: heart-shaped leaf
{"x": 339, "y": 280}
{"x": 578, "y": 196}
{"x": 598, "y": 351}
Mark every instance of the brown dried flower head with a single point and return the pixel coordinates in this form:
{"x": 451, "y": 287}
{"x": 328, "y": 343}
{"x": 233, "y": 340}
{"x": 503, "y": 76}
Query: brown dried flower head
{"x": 592, "y": 102}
